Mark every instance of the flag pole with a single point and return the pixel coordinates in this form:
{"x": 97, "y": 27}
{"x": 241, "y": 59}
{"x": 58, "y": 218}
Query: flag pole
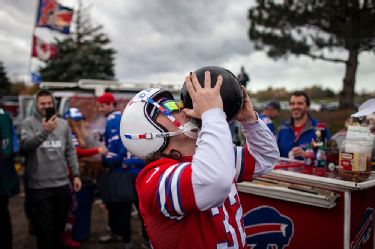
{"x": 32, "y": 42}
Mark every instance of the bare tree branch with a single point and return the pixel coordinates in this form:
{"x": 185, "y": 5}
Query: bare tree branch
{"x": 324, "y": 58}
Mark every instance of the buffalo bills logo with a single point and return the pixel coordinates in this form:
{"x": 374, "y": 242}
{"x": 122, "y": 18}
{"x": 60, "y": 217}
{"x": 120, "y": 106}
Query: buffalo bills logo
{"x": 266, "y": 228}
{"x": 364, "y": 229}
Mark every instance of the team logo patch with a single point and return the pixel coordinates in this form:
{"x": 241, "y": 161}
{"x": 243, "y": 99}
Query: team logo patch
{"x": 267, "y": 228}
{"x": 364, "y": 229}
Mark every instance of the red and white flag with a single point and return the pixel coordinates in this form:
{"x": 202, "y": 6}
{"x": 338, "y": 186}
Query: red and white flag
{"x": 43, "y": 50}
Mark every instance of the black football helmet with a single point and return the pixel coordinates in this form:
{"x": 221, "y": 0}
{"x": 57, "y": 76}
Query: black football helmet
{"x": 230, "y": 91}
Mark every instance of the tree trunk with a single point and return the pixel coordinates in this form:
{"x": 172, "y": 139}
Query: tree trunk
{"x": 347, "y": 93}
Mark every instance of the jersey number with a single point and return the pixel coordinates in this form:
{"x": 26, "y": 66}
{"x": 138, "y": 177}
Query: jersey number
{"x": 227, "y": 226}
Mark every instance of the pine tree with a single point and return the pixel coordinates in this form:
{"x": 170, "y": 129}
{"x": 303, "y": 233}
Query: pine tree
{"x": 4, "y": 81}
{"x": 85, "y": 54}
{"x": 315, "y": 28}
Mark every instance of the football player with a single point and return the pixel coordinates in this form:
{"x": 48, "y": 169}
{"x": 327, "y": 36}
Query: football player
{"x": 187, "y": 193}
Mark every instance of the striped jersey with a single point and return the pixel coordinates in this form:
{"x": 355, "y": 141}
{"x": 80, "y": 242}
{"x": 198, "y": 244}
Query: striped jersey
{"x": 170, "y": 212}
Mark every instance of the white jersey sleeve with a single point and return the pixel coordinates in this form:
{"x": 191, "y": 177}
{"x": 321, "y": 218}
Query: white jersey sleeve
{"x": 213, "y": 164}
{"x": 262, "y": 145}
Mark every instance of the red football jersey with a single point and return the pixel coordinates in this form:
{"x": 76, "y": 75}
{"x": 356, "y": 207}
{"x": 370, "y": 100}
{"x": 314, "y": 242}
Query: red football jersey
{"x": 170, "y": 213}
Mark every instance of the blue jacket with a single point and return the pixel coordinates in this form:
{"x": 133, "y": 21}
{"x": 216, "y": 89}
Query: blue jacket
{"x": 118, "y": 158}
{"x": 285, "y": 139}
{"x": 268, "y": 122}
{"x": 116, "y": 150}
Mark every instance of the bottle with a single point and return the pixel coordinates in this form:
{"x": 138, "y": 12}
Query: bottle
{"x": 320, "y": 161}
{"x": 323, "y": 136}
{"x": 309, "y": 160}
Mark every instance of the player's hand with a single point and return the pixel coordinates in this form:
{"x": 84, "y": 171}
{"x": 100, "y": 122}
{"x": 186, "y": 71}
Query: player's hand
{"x": 50, "y": 124}
{"x": 247, "y": 113}
{"x": 203, "y": 98}
{"x": 77, "y": 184}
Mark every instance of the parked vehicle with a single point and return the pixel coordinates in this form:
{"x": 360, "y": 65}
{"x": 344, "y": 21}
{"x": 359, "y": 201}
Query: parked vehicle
{"x": 82, "y": 95}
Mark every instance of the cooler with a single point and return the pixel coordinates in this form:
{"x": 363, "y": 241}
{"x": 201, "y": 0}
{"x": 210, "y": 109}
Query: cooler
{"x": 82, "y": 226}
{"x": 291, "y": 209}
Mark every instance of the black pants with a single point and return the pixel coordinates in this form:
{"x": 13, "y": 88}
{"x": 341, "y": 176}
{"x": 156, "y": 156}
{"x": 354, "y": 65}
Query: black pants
{"x": 49, "y": 213}
{"x": 5, "y": 225}
{"x": 119, "y": 219}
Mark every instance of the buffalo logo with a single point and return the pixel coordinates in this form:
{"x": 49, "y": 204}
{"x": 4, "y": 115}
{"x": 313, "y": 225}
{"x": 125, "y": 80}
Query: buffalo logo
{"x": 364, "y": 229}
{"x": 266, "y": 228}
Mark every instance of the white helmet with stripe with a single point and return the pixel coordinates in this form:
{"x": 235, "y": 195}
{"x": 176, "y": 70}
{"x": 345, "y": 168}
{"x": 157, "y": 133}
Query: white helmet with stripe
{"x": 140, "y": 133}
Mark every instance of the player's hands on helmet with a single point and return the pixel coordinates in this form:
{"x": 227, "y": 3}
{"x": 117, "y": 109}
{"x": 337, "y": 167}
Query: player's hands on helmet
{"x": 246, "y": 113}
{"x": 203, "y": 98}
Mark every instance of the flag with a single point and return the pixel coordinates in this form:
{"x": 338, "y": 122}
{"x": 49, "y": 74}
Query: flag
{"x": 54, "y": 16}
{"x": 43, "y": 50}
{"x": 36, "y": 78}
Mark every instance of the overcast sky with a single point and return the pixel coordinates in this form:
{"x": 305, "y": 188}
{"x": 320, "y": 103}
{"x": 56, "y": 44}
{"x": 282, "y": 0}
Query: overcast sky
{"x": 163, "y": 40}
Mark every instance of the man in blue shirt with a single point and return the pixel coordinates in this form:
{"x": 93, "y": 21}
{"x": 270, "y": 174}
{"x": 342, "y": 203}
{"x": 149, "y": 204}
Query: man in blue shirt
{"x": 117, "y": 161}
{"x": 118, "y": 211}
{"x": 270, "y": 113}
{"x": 298, "y": 132}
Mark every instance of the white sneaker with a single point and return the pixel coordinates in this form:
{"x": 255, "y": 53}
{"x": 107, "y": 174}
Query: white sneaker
{"x": 109, "y": 238}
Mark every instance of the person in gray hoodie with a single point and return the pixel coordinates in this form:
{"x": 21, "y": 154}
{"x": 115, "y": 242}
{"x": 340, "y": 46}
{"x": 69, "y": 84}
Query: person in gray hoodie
{"x": 49, "y": 152}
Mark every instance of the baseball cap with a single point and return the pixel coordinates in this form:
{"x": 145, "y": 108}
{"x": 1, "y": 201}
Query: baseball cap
{"x": 365, "y": 108}
{"x": 106, "y": 98}
{"x": 73, "y": 114}
{"x": 273, "y": 104}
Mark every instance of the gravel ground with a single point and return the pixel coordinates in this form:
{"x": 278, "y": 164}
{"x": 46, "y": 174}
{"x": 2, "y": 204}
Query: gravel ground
{"x": 23, "y": 240}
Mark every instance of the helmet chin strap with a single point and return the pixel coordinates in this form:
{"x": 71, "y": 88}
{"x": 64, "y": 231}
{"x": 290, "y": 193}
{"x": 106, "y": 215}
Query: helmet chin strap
{"x": 191, "y": 130}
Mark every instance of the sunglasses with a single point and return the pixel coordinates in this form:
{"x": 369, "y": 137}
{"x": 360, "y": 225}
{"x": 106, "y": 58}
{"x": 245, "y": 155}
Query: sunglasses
{"x": 166, "y": 107}
{"x": 173, "y": 105}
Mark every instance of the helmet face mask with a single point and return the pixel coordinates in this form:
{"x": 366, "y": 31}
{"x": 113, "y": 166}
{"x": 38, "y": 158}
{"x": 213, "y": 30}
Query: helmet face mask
{"x": 139, "y": 131}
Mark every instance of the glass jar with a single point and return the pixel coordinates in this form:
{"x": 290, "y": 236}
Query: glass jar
{"x": 355, "y": 160}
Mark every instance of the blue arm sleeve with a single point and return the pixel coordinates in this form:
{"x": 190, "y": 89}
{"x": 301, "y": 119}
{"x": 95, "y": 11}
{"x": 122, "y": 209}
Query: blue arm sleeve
{"x": 116, "y": 150}
{"x": 116, "y": 153}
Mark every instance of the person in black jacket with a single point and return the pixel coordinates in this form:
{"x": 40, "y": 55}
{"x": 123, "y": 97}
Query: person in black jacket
{"x": 243, "y": 78}
{"x": 9, "y": 184}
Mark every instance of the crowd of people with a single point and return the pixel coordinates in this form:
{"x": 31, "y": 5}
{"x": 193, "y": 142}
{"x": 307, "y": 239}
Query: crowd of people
{"x": 53, "y": 147}
{"x": 177, "y": 165}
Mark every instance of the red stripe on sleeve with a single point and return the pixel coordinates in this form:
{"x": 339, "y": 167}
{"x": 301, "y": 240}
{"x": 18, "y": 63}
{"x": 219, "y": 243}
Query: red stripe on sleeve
{"x": 249, "y": 166}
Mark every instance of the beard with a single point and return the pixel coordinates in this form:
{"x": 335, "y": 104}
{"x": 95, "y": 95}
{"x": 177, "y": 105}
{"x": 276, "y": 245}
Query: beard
{"x": 42, "y": 112}
{"x": 299, "y": 115}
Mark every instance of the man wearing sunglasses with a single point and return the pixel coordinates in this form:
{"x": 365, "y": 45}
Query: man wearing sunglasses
{"x": 187, "y": 192}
